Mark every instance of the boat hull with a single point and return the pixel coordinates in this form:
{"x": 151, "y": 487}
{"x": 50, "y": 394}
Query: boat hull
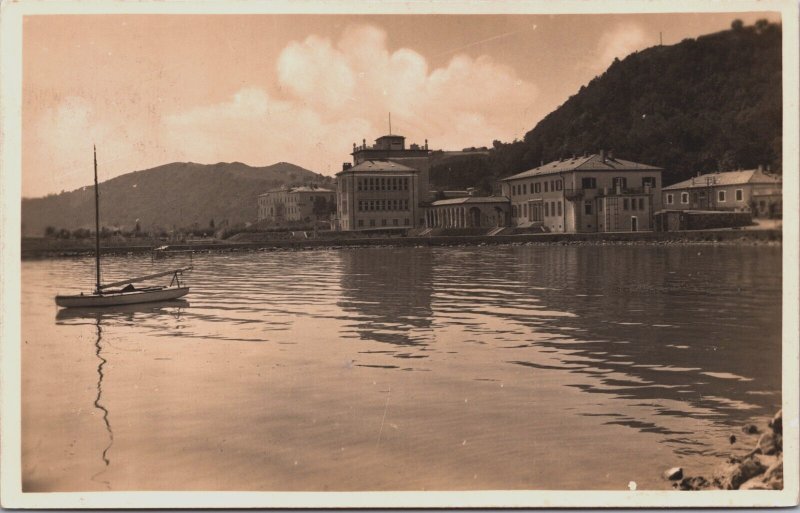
{"x": 121, "y": 298}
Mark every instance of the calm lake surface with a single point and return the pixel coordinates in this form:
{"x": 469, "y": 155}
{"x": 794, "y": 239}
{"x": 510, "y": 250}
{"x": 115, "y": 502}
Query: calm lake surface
{"x": 507, "y": 367}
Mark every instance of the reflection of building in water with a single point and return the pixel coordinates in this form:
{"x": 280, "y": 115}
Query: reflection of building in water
{"x": 662, "y": 324}
{"x": 391, "y": 294}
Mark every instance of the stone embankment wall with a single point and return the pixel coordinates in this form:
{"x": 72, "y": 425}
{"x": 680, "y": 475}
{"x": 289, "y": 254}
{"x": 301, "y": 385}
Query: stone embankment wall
{"x": 37, "y": 248}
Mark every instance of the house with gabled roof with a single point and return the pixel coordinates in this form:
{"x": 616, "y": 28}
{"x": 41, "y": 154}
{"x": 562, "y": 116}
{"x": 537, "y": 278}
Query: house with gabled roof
{"x": 292, "y": 203}
{"x": 750, "y": 190}
{"x": 591, "y": 193}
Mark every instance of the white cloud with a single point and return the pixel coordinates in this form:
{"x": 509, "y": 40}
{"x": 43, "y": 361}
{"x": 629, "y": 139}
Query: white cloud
{"x": 63, "y": 139}
{"x": 618, "y": 42}
{"x": 337, "y": 93}
{"x": 331, "y": 94}
{"x": 253, "y": 128}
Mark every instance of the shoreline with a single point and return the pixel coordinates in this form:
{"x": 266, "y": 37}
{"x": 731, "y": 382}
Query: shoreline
{"x": 735, "y": 237}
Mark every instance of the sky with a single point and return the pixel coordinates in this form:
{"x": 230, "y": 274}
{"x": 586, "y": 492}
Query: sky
{"x": 260, "y": 89}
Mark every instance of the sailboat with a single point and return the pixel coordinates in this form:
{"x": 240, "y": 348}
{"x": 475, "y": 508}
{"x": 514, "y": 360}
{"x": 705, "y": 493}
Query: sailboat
{"x": 128, "y": 294}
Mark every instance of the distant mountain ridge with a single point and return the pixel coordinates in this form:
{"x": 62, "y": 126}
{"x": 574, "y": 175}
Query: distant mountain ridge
{"x": 179, "y": 194}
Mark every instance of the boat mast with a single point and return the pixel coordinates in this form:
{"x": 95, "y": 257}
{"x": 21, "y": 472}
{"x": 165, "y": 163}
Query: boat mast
{"x": 96, "y": 224}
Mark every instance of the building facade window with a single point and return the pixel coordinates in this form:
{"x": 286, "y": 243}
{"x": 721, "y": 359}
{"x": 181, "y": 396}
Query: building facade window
{"x": 625, "y": 204}
{"x": 536, "y": 214}
{"x": 545, "y": 187}
{"x": 641, "y": 203}
{"x": 620, "y": 181}
{"x": 546, "y": 210}
{"x": 648, "y": 181}
{"x": 739, "y": 195}
{"x": 537, "y": 187}
{"x": 587, "y": 208}
{"x": 588, "y": 183}
{"x": 361, "y": 223}
{"x": 669, "y": 199}
{"x": 721, "y": 196}
{"x": 685, "y": 198}
{"x": 559, "y": 185}
{"x": 559, "y": 207}
{"x": 524, "y": 188}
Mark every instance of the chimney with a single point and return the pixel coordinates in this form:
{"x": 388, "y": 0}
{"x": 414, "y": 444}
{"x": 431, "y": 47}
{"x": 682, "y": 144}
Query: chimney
{"x": 603, "y": 155}
{"x": 610, "y": 154}
{"x": 346, "y": 166}
{"x": 426, "y": 144}
{"x": 760, "y": 168}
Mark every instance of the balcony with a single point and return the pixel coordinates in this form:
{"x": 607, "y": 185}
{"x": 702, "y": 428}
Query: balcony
{"x": 624, "y": 191}
{"x": 573, "y": 194}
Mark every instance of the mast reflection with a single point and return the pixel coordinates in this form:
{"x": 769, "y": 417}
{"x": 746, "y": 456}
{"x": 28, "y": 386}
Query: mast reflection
{"x": 109, "y": 316}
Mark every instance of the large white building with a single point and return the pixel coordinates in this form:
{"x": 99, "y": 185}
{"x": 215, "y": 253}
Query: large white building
{"x": 386, "y": 186}
{"x": 593, "y": 193}
{"x": 293, "y": 203}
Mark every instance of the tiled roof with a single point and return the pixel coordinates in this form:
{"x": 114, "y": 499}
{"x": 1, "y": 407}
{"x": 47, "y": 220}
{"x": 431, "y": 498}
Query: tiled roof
{"x": 470, "y": 199}
{"x": 726, "y": 178}
{"x": 378, "y": 166}
{"x": 593, "y": 162}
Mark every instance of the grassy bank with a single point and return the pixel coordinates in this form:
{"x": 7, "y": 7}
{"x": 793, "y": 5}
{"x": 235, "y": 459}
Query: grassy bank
{"x": 44, "y": 248}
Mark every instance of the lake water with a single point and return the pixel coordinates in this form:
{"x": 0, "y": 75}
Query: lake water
{"x": 507, "y": 367}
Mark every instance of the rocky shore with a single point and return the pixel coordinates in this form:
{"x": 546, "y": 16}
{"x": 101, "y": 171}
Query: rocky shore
{"x": 760, "y": 469}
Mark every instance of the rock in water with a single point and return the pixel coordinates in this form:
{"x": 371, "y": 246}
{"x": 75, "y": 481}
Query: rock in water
{"x": 674, "y": 474}
{"x": 777, "y": 422}
{"x": 750, "y": 429}
{"x": 737, "y": 473}
{"x": 755, "y": 483}
{"x": 692, "y": 483}
{"x": 770, "y": 443}
{"x": 773, "y": 477}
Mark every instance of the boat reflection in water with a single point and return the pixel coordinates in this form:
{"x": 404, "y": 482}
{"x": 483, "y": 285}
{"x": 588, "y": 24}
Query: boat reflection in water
{"x": 109, "y": 316}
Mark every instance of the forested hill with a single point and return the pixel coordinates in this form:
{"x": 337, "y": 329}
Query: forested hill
{"x": 181, "y": 194}
{"x": 705, "y": 104}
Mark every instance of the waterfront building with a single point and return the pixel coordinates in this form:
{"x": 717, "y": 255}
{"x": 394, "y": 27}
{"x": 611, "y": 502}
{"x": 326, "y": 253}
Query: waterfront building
{"x": 386, "y": 186}
{"x": 750, "y": 190}
{"x": 303, "y": 203}
{"x": 377, "y": 195}
{"x": 594, "y": 193}
{"x": 469, "y": 212}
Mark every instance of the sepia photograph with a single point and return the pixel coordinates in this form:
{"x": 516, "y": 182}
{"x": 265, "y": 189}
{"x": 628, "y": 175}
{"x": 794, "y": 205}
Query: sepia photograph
{"x": 403, "y": 254}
